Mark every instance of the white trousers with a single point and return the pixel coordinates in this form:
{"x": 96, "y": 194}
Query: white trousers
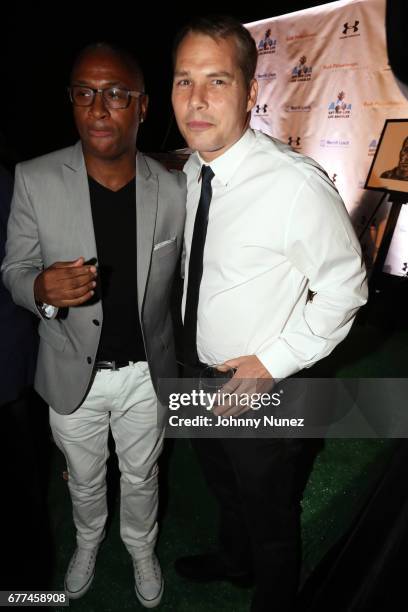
{"x": 125, "y": 400}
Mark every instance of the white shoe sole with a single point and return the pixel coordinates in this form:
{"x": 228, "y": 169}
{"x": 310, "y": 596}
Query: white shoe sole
{"x": 150, "y": 603}
{"x": 81, "y": 592}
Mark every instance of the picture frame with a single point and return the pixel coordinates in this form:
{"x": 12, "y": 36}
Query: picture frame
{"x": 389, "y": 168}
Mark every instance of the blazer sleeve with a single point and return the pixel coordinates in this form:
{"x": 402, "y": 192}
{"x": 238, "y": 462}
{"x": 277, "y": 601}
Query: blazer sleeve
{"x": 23, "y": 260}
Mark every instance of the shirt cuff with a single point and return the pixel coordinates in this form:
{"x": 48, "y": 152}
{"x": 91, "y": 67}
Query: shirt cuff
{"x": 279, "y": 360}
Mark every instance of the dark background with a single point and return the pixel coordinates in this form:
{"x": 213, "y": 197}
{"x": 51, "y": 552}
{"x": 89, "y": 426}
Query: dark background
{"x": 38, "y": 45}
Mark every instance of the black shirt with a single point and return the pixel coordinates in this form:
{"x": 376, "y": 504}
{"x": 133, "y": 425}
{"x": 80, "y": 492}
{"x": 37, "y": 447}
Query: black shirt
{"x": 114, "y": 220}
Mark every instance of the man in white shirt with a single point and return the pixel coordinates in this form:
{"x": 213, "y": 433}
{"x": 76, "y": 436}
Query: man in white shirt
{"x": 273, "y": 281}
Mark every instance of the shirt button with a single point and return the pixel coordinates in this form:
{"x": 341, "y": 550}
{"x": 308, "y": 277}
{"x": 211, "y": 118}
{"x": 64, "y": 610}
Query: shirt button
{"x": 95, "y": 322}
{"x": 89, "y": 359}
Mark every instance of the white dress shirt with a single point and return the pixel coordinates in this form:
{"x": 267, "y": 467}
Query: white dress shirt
{"x": 277, "y": 228}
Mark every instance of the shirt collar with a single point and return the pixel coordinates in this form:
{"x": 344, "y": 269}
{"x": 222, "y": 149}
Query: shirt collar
{"x": 226, "y": 164}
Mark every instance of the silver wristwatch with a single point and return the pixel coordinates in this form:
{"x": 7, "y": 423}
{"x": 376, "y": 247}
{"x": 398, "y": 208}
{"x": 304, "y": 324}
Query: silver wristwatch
{"x": 46, "y": 310}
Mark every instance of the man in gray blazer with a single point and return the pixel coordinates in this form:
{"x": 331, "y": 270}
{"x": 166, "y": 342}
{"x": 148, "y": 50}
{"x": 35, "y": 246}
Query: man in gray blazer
{"x": 94, "y": 238}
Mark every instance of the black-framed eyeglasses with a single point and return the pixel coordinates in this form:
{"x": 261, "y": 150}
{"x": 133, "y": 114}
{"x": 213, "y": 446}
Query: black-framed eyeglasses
{"x": 113, "y": 97}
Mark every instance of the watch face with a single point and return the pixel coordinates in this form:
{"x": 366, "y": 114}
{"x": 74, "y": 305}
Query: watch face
{"x": 46, "y": 310}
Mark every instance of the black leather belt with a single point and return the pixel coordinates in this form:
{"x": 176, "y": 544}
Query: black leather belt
{"x": 111, "y": 365}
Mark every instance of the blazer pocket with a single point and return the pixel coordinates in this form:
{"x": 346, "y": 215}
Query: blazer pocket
{"x": 51, "y": 336}
{"x": 163, "y": 248}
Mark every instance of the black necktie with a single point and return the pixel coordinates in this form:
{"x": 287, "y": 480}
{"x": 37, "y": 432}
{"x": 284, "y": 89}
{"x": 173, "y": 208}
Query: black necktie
{"x": 195, "y": 269}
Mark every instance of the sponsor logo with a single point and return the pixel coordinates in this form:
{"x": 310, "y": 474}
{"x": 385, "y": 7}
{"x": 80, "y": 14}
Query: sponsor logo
{"x": 266, "y": 76}
{"x": 290, "y": 108}
{"x": 350, "y": 29}
{"x": 301, "y": 72}
{"x": 295, "y": 143}
{"x": 335, "y": 143}
{"x": 339, "y": 109}
{"x": 267, "y": 44}
{"x": 383, "y": 103}
{"x": 350, "y": 66}
{"x": 261, "y": 109}
{"x": 372, "y": 147}
{"x": 301, "y": 36}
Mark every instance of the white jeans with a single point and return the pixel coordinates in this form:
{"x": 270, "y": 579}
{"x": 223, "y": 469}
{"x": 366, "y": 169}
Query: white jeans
{"x": 125, "y": 400}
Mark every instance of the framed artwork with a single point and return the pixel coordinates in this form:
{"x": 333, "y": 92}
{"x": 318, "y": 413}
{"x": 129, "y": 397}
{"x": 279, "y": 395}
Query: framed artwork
{"x": 389, "y": 170}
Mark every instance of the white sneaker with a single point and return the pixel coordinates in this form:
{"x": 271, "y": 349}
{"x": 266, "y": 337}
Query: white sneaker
{"x": 80, "y": 573}
{"x": 149, "y": 583}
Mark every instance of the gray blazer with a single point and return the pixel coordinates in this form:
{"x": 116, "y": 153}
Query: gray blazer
{"x": 51, "y": 221}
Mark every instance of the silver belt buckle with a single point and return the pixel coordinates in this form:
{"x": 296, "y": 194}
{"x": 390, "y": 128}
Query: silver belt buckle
{"x": 106, "y": 365}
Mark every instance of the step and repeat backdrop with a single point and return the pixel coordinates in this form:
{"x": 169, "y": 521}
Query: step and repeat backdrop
{"x": 326, "y": 89}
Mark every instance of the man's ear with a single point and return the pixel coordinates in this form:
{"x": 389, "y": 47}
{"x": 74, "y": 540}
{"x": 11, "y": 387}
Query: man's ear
{"x": 252, "y": 95}
{"x": 144, "y": 103}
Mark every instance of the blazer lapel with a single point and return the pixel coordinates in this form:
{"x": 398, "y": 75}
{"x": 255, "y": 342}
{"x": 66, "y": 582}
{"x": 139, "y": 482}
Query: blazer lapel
{"x": 147, "y": 190}
{"x": 77, "y": 193}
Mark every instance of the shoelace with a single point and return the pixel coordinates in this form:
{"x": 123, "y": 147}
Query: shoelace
{"x": 147, "y": 569}
{"x": 83, "y": 559}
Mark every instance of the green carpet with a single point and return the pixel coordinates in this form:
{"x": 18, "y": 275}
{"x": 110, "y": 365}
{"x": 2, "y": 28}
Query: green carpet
{"x": 339, "y": 484}
{"x": 341, "y": 480}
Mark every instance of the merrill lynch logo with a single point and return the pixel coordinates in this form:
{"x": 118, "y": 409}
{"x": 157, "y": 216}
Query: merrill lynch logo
{"x": 334, "y": 142}
{"x": 290, "y": 108}
{"x": 266, "y": 76}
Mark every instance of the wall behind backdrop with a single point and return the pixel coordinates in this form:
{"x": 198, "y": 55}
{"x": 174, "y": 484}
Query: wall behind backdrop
{"x": 326, "y": 88}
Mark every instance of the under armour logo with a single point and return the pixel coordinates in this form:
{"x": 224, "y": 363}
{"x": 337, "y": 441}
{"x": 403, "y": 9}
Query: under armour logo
{"x": 334, "y": 178}
{"x": 352, "y": 27}
{"x": 259, "y": 107}
{"x": 294, "y": 141}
